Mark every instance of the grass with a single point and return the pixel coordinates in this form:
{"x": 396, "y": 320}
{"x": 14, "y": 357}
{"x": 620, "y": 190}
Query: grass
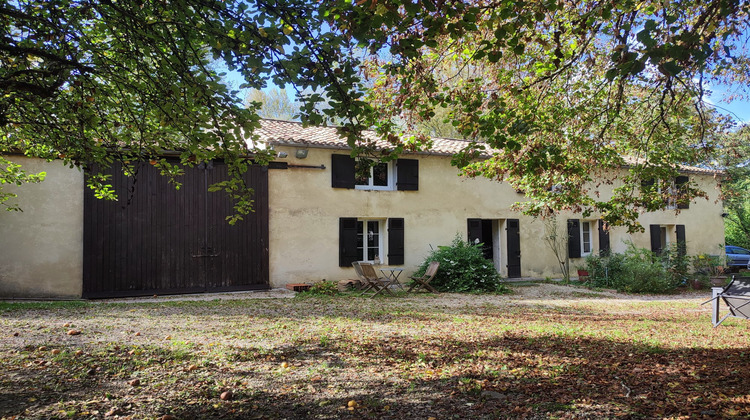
{"x": 483, "y": 356}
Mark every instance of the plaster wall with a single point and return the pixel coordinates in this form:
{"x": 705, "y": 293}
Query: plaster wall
{"x": 41, "y": 247}
{"x": 304, "y": 212}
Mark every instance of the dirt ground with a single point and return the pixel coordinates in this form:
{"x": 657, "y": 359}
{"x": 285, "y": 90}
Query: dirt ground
{"x": 544, "y": 351}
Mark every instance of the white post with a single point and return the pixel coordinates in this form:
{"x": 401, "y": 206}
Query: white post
{"x": 715, "y": 291}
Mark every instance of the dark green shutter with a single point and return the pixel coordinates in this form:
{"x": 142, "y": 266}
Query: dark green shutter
{"x": 407, "y": 175}
{"x": 342, "y": 171}
{"x": 655, "y": 231}
{"x": 347, "y": 241}
{"x": 681, "y": 243}
{"x": 396, "y": 241}
{"x": 574, "y": 238}
{"x": 604, "y": 247}
{"x": 681, "y": 184}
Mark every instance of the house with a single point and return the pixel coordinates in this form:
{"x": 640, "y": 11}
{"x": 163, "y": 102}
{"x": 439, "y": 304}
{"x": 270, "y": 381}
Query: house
{"x": 313, "y": 217}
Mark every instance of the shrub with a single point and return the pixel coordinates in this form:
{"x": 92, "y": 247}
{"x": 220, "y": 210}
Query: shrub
{"x": 676, "y": 263}
{"x": 605, "y": 271}
{"x": 463, "y": 268}
{"x": 638, "y": 270}
{"x": 326, "y": 288}
{"x": 644, "y": 273}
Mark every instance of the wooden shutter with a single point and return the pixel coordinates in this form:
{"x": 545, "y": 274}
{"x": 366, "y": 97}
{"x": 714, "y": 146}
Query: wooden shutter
{"x": 604, "y": 247}
{"x": 681, "y": 243}
{"x": 680, "y": 184}
{"x": 396, "y": 241}
{"x": 574, "y": 238}
{"x": 513, "y": 236}
{"x": 347, "y": 241}
{"x": 407, "y": 175}
{"x": 342, "y": 171}
{"x": 655, "y": 231}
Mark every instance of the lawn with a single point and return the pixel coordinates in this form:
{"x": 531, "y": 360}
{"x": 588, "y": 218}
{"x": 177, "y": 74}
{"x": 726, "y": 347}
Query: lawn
{"x": 563, "y": 353}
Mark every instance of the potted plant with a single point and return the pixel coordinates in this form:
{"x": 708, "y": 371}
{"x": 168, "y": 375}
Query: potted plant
{"x": 709, "y": 266}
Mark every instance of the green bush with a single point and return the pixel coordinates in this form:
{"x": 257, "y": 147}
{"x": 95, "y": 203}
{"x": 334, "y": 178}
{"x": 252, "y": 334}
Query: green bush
{"x": 638, "y": 270}
{"x": 676, "y": 263}
{"x": 644, "y": 273}
{"x": 606, "y": 271}
{"x": 463, "y": 268}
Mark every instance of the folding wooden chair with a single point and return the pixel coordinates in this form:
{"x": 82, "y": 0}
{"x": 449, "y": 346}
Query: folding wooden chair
{"x": 373, "y": 283}
{"x": 423, "y": 282}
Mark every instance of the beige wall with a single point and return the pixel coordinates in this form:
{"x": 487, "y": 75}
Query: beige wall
{"x": 41, "y": 248}
{"x": 305, "y": 212}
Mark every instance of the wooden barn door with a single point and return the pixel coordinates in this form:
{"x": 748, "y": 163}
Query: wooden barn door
{"x": 159, "y": 240}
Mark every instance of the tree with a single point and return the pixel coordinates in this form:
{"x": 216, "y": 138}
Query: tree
{"x": 735, "y": 157}
{"x": 94, "y": 82}
{"x": 559, "y": 94}
{"x": 545, "y": 91}
{"x": 273, "y": 103}
{"x": 556, "y": 237}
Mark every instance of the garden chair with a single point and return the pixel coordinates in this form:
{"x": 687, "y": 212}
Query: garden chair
{"x": 423, "y": 282}
{"x": 373, "y": 283}
{"x": 735, "y": 295}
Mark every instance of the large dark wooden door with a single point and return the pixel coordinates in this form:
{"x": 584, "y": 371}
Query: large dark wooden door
{"x": 159, "y": 240}
{"x": 514, "y": 248}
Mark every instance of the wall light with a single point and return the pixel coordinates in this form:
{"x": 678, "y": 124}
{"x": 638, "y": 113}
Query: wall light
{"x": 282, "y": 155}
{"x": 301, "y": 153}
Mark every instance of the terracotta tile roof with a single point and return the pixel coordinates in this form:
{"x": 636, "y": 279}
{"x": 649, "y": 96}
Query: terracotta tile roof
{"x": 292, "y": 133}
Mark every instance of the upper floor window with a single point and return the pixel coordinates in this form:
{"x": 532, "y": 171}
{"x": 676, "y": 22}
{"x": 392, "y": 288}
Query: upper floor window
{"x": 378, "y": 177}
{"x": 673, "y": 193}
{"x": 402, "y": 175}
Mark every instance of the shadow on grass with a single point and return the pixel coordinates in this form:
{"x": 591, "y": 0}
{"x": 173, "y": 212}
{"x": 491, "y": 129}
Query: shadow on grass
{"x": 510, "y": 375}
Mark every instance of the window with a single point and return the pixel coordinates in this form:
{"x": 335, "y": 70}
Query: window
{"x": 663, "y": 235}
{"x": 362, "y": 239}
{"x": 401, "y": 175}
{"x": 580, "y": 241}
{"x": 369, "y": 240}
{"x": 379, "y": 178}
{"x": 585, "y": 238}
{"x": 675, "y": 196}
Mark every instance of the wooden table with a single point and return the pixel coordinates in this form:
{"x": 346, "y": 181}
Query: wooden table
{"x": 392, "y": 274}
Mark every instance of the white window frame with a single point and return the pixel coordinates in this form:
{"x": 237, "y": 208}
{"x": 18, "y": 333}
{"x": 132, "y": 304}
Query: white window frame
{"x": 665, "y": 233}
{"x": 381, "y": 239}
{"x": 391, "y": 179}
{"x": 590, "y": 237}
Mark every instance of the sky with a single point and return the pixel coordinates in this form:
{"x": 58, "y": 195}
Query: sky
{"x": 737, "y": 109}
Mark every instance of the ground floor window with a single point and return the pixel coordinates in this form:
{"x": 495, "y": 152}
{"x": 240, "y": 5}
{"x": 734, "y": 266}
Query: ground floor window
{"x": 585, "y": 237}
{"x": 369, "y": 239}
